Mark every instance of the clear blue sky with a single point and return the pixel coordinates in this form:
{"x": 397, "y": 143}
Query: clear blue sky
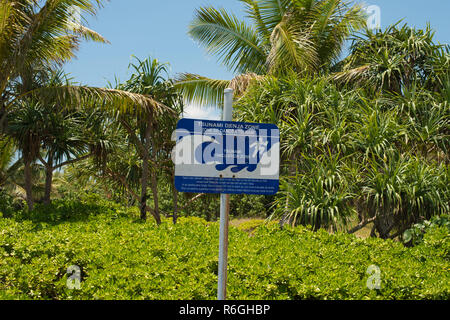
{"x": 159, "y": 29}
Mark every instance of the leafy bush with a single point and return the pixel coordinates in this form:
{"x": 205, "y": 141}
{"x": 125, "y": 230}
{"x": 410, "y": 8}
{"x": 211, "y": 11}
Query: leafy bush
{"x": 6, "y": 204}
{"x": 208, "y": 206}
{"x": 346, "y": 149}
{"x": 250, "y": 225}
{"x": 123, "y": 258}
{"x": 416, "y": 234}
{"x": 403, "y": 190}
{"x": 72, "y": 209}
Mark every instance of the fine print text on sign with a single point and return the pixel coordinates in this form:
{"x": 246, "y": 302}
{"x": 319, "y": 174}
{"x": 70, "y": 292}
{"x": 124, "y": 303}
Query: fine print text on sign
{"x": 226, "y": 157}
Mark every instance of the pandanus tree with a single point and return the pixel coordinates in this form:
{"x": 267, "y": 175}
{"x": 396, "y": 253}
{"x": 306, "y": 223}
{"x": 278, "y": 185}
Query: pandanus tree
{"x": 59, "y": 133}
{"x": 63, "y": 143}
{"x": 149, "y": 130}
{"x": 305, "y": 36}
{"x": 397, "y": 59}
{"x": 24, "y": 126}
{"x": 411, "y": 69}
{"x": 55, "y": 137}
{"x": 403, "y": 190}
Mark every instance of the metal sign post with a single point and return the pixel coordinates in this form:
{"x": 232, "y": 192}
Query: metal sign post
{"x": 224, "y": 213}
{"x": 226, "y": 157}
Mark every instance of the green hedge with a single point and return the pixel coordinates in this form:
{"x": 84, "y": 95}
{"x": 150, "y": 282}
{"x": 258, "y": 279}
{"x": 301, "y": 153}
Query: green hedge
{"x": 122, "y": 258}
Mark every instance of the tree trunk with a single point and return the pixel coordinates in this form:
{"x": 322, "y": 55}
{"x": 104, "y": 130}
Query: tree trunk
{"x": 48, "y": 180}
{"x": 48, "y": 185}
{"x": 145, "y": 171}
{"x": 154, "y": 178}
{"x": 144, "y": 183}
{"x": 361, "y": 224}
{"x": 29, "y": 184}
{"x": 154, "y": 187}
{"x": 3, "y": 115}
{"x": 372, "y": 232}
{"x": 384, "y": 225}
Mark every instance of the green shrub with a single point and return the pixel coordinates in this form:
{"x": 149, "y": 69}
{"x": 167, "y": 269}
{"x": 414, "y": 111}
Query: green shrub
{"x": 73, "y": 209}
{"x": 414, "y": 235}
{"x": 7, "y": 204}
{"x": 250, "y": 225}
{"x": 123, "y": 258}
{"x": 208, "y": 206}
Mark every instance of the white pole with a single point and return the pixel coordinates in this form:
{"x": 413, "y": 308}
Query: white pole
{"x": 224, "y": 213}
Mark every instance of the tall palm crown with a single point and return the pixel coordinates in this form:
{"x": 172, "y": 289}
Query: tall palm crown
{"x": 305, "y": 36}
{"x": 32, "y": 31}
{"x": 35, "y": 33}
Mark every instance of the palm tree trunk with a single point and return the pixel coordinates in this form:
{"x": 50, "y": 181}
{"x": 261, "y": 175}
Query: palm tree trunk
{"x": 28, "y": 184}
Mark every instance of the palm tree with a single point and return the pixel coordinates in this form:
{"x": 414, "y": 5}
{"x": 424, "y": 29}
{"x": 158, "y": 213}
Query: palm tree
{"x": 35, "y": 37}
{"x": 53, "y": 135}
{"x": 301, "y": 35}
{"x": 24, "y": 126}
{"x": 36, "y": 33}
{"x": 114, "y": 167}
{"x": 68, "y": 135}
{"x": 148, "y": 131}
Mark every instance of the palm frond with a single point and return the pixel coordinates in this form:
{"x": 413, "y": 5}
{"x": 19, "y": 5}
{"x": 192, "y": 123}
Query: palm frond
{"x": 253, "y": 11}
{"x": 273, "y": 11}
{"x": 236, "y": 44}
{"x": 292, "y": 49}
{"x": 147, "y": 74}
{"x": 88, "y": 34}
{"x": 6, "y": 15}
{"x": 39, "y": 32}
{"x": 201, "y": 90}
{"x": 336, "y": 21}
{"x": 7, "y": 150}
{"x": 354, "y": 75}
{"x": 110, "y": 99}
{"x": 240, "y": 83}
